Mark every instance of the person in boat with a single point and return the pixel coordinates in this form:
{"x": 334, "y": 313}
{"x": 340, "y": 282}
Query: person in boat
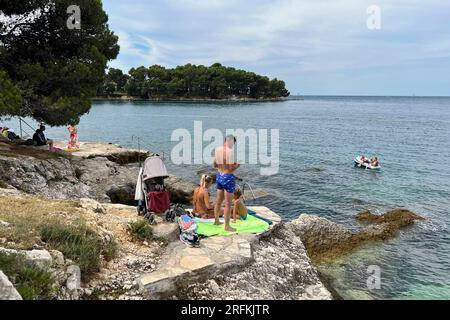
{"x": 203, "y": 207}
{"x": 374, "y": 162}
{"x": 364, "y": 159}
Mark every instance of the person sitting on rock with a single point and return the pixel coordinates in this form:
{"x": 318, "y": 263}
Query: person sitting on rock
{"x": 39, "y": 138}
{"x": 239, "y": 208}
{"x": 203, "y": 207}
{"x": 52, "y": 148}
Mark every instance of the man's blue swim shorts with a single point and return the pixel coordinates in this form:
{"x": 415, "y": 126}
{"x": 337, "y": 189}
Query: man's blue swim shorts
{"x": 226, "y": 181}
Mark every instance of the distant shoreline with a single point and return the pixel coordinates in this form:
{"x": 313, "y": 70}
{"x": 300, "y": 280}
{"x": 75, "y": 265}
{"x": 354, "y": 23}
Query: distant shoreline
{"x": 183, "y": 99}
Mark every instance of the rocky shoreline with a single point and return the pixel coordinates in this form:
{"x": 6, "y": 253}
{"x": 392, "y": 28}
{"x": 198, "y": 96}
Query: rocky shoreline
{"x": 182, "y": 99}
{"x": 97, "y": 187}
{"x": 106, "y": 174}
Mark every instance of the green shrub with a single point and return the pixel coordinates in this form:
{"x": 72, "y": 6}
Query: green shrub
{"x": 78, "y": 243}
{"x": 140, "y": 230}
{"x": 31, "y": 282}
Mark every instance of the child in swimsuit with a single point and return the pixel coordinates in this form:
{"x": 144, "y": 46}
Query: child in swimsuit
{"x": 239, "y": 208}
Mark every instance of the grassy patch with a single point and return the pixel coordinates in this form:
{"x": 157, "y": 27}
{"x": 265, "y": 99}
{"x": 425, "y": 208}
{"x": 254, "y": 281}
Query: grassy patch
{"x": 78, "y": 243}
{"x": 141, "y": 230}
{"x": 27, "y": 214}
{"x": 59, "y": 225}
{"x": 13, "y": 150}
{"x": 31, "y": 282}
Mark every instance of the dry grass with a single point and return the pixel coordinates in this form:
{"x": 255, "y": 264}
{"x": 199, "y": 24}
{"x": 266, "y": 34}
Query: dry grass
{"x": 13, "y": 150}
{"x": 26, "y": 214}
{"x": 59, "y": 225}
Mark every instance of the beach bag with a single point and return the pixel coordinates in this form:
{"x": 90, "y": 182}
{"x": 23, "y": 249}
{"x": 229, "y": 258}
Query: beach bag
{"x": 158, "y": 201}
{"x": 188, "y": 231}
{"x": 187, "y": 224}
{"x": 190, "y": 239}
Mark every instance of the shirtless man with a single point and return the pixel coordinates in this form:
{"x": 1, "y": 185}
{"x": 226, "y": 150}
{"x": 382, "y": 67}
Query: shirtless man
{"x": 225, "y": 180}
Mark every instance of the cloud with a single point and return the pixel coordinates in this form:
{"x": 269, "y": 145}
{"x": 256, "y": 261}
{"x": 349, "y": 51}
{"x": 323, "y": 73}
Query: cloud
{"x": 281, "y": 38}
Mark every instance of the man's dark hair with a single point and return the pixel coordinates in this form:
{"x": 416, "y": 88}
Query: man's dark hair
{"x": 42, "y": 127}
{"x": 229, "y": 137}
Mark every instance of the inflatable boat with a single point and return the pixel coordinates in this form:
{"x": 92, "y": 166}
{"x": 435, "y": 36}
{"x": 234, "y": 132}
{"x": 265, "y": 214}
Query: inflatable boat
{"x": 365, "y": 165}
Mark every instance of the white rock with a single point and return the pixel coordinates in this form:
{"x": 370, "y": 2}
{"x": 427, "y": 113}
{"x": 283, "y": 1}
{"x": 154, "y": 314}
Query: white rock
{"x": 7, "y": 290}
{"x": 214, "y": 287}
{"x": 73, "y": 282}
{"x": 88, "y": 292}
{"x": 316, "y": 292}
{"x": 4, "y": 223}
{"x": 39, "y": 258}
{"x": 92, "y": 205}
{"x": 58, "y": 257}
{"x": 127, "y": 287}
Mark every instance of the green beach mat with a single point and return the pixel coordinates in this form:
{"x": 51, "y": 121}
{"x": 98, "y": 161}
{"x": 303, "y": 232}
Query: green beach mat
{"x": 250, "y": 225}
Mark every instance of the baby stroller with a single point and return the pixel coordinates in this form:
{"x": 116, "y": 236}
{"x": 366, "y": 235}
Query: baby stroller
{"x": 151, "y": 192}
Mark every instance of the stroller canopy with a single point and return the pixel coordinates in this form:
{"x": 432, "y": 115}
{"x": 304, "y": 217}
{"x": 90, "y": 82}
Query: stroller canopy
{"x": 154, "y": 168}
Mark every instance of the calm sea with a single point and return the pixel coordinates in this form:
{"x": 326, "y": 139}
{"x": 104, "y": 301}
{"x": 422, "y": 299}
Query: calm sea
{"x": 319, "y": 138}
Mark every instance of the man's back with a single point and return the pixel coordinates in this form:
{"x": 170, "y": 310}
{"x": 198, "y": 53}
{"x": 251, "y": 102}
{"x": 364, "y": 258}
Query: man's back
{"x": 224, "y": 159}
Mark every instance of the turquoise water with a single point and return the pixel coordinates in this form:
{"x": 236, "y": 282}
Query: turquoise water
{"x": 319, "y": 137}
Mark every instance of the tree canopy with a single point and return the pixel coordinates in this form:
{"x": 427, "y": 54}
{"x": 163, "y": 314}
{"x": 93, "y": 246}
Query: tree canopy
{"x": 47, "y": 70}
{"x": 191, "y": 81}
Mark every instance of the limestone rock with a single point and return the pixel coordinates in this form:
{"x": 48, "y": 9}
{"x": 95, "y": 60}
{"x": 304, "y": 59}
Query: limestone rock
{"x": 58, "y": 257}
{"x": 325, "y": 239}
{"x": 7, "y": 290}
{"x": 95, "y": 177}
{"x": 319, "y": 234}
{"x": 73, "y": 282}
{"x": 180, "y": 190}
{"x": 4, "y": 223}
{"x": 281, "y": 269}
{"x": 39, "y": 258}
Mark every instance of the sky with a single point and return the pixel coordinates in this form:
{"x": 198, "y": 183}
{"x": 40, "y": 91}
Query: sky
{"x": 335, "y": 47}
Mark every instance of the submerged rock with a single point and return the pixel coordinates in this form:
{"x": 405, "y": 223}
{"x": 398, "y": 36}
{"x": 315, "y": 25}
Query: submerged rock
{"x": 325, "y": 239}
{"x": 319, "y": 234}
{"x": 400, "y": 217}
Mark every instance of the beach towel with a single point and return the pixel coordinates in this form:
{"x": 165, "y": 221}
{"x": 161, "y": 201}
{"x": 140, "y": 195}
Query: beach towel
{"x": 253, "y": 213}
{"x": 251, "y": 225}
